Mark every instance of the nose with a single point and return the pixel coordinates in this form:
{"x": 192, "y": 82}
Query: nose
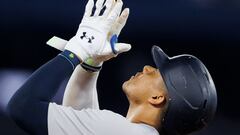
{"x": 148, "y": 69}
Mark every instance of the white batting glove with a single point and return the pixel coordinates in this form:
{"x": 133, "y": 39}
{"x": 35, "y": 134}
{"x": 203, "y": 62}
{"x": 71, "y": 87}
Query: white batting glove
{"x": 59, "y": 43}
{"x": 94, "y": 36}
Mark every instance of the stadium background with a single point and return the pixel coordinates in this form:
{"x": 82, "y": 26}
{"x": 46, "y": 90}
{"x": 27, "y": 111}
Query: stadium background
{"x": 208, "y": 29}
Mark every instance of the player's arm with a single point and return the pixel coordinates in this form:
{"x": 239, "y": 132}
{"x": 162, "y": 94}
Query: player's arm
{"x": 29, "y": 105}
{"x": 81, "y": 90}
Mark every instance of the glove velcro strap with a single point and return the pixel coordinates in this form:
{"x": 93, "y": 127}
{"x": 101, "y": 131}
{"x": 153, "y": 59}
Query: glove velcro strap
{"x": 113, "y": 41}
{"x": 91, "y": 68}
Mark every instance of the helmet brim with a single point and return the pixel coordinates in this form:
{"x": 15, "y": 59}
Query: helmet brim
{"x": 159, "y": 57}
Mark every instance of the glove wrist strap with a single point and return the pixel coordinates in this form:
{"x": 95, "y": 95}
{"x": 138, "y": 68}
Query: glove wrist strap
{"x": 90, "y": 68}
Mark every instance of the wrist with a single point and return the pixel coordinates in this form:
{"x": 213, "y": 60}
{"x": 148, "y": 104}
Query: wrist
{"x": 92, "y": 66}
{"x": 92, "y": 62}
{"x": 71, "y": 57}
{"x": 74, "y": 47}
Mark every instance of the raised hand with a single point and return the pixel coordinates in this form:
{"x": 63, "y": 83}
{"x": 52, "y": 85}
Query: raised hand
{"x": 97, "y": 34}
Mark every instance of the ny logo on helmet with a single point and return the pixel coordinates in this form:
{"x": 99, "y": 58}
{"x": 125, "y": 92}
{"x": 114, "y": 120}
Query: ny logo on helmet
{"x": 90, "y": 39}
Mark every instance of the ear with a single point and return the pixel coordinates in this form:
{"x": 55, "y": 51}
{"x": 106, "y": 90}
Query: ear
{"x": 157, "y": 100}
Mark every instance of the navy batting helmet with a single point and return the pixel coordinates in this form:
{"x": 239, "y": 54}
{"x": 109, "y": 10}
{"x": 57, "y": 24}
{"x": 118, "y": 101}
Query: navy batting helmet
{"x": 192, "y": 93}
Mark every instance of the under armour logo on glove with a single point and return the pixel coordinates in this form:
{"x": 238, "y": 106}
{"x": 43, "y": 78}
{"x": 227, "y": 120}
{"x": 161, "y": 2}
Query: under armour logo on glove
{"x": 101, "y": 21}
{"x": 89, "y": 38}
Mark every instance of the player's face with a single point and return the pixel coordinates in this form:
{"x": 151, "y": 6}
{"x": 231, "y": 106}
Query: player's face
{"x": 143, "y": 85}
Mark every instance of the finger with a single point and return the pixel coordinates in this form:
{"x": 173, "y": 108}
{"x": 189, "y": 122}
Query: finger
{"x": 119, "y": 48}
{"x": 122, "y": 47}
{"x": 99, "y": 6}
{"x": 109, "y": 5}
{"x": 57, "y": 43}
{"x": 113, "y": 15}
{"x": 88, "y": 8}
{"x": 121, "y": 21}
{"x": 108, "y": 51}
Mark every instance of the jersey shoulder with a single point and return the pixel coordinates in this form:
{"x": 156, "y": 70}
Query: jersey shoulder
{"x": 66, "y": 120}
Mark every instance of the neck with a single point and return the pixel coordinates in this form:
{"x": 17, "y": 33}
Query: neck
{"x": 145, "y": 114}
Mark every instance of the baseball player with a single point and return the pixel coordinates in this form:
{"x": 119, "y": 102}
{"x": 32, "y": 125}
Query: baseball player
{"x": 176, "y": 97}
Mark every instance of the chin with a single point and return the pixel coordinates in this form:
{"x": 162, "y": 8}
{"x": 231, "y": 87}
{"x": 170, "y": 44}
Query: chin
{"x": 125, "y": 88}
{"x": 124, "y": 85}
{"x": 128, "y": 84}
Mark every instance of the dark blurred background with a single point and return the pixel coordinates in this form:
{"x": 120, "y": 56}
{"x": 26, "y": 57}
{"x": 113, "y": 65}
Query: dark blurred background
{"x": 208, "y": 29}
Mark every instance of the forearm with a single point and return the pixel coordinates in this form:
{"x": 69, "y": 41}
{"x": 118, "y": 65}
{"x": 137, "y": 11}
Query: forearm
{"x": 29, "y": 105}
{"x": 81, "y": 90}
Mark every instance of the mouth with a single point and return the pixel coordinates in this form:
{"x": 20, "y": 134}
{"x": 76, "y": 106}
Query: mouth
{"x": 131, "y": 77}
{"x": 136, "y": 75}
